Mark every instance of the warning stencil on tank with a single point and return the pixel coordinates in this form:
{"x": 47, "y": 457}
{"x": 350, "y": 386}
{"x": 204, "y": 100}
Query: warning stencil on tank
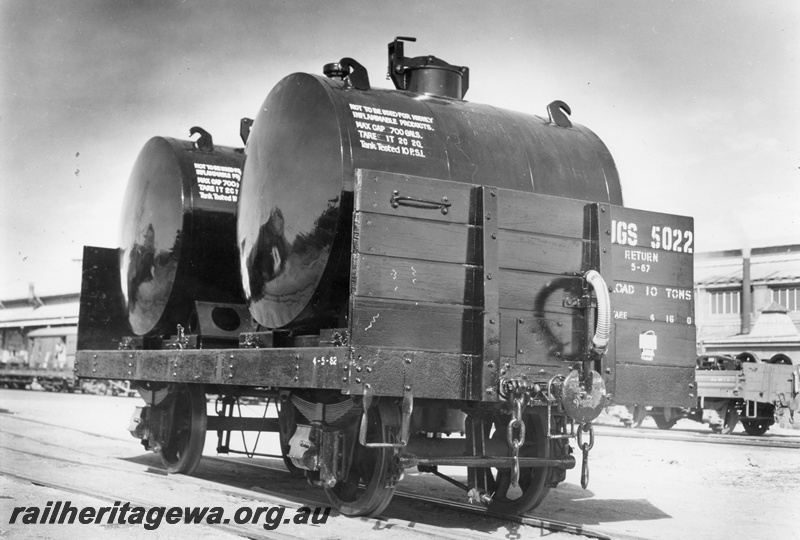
{"x": 218, "y": 182}
{"x": 391, "y": 131}
{"x": 648, "y": 343}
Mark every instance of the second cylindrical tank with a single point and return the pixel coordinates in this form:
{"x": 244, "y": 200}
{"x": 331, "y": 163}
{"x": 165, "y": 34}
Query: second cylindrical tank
{"x": 177, "y": 232}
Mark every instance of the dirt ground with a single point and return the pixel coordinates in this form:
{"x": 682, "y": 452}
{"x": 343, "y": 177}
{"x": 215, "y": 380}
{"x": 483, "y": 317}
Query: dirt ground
{"x": 639, "y": 487}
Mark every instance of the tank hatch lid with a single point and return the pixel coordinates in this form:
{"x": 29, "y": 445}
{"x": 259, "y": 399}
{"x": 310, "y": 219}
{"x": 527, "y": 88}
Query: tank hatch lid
{"x": 426, "y": 74}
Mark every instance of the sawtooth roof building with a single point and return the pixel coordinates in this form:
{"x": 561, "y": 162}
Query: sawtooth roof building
{"x": 749, "y": 301}
{"x": 744, "y": 301}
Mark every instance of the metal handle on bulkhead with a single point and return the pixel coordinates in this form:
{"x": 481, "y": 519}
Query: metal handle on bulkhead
{"x": 603, "y": 327}
{"x": 416, "y": 202}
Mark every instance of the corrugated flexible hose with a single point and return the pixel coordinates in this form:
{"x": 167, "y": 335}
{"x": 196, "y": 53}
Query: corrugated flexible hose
{"x": 603, "y": 327}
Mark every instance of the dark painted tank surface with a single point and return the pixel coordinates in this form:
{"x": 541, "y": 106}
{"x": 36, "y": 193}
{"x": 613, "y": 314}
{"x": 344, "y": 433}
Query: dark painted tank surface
{"x": 177, "y": 232}
{"x": 312, "y": 133}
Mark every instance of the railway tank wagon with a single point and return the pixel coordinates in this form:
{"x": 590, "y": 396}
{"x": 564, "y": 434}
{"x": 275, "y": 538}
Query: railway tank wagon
{"x": 429, "y": 282}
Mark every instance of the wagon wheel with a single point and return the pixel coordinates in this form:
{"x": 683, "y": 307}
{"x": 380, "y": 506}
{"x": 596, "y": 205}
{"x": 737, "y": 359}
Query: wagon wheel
{"x": 664, "y": 417}
{"x": 183, "y": 448}
{"x": 515, "y": 500}
{"x": 729, "y": 421}
{"x": 780, "y": 358}
{"x": 756, "y": 427}
{"x": 370, "y": 484}
{"x": 639, "y": 414}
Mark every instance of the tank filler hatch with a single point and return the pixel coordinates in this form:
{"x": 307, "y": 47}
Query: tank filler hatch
{"x": 426, "y": 74}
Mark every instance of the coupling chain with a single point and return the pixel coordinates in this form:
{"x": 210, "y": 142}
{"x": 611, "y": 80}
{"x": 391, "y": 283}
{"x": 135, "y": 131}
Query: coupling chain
{"x": 516, "y": 443}
{"x": 585, "y": 446}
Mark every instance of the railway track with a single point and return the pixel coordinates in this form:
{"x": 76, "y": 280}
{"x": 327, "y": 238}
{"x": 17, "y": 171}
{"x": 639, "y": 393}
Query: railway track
{"x": 699, "y": 437}
{"x": 245, "y": 496}
{"x": 526, "y": 520}
{"x": 90, "y": 463}
{"x": 600, "y": 429}
{"x": 110, "y": 497}
{"x": 616, "y": 508}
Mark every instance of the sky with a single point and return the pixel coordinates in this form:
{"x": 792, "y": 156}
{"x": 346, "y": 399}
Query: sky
{"x": 697, "y": 101}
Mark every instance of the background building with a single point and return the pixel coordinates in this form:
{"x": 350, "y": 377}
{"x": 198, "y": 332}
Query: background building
{"x": 39, "y": 332}
{"x": 749, "y": 300}
{"x": 732, "y": 290}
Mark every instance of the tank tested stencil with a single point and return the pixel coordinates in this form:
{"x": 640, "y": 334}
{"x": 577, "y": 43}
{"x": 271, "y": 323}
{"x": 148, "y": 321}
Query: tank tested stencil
{"x": 391, "y": 131}
{"x": 218, "y": 182}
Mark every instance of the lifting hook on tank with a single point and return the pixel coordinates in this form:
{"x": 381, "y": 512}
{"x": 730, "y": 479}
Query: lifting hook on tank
{"x": 350, "y": 71}
{"x": 556, "y": 112}
{"x": 205, "y": 143}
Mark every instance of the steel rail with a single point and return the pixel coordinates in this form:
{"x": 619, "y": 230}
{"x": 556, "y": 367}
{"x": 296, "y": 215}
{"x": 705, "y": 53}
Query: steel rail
{"x": 417, "y": 528}
{"x": 605, "y": 430}
{"x": 698, "y": 437}
{"x": 110, "y": 497}
{"x": 528, "y": 520}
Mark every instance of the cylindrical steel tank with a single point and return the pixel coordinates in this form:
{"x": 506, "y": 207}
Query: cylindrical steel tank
{"x": 294, "y": 215}
{"x": 178, "y": 231}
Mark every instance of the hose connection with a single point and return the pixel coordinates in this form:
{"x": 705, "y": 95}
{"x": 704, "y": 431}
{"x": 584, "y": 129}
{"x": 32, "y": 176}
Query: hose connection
{"x": 603, "y": 328}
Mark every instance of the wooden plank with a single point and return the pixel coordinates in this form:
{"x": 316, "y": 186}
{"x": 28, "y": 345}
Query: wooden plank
{"x": 414, "y": 326}
{"x": 193, "y": 366}
{"x": 715, "y": 383}
{"x": 658, "y": 386}
{"x": 768, "y": 382}
{"x": 308, "y": 367}
{"x": 523, "y": 251}
{"x": 375, "y": 192}
{"x": 654, "y": 343}
{"x": 542, "y": 293}
{"x": 103, "y": 316}
{"x": 540, "y": 214}
{"x": 652, "y": 302}
{"x": 393, "y": 236}
{"x": 441, "y": 376}
{"x": 376, "y": 372}
{"x": 652, "y": 248}
{"x": 425, "y": 374}
{"x": 548, "y": 339}
{"x": 651, "y": 266}
{"x": 648, "y": 230}
{"x": 411, "y": 279}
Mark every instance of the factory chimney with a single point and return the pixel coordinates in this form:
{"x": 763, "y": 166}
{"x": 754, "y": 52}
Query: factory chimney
{"x": 34, "y": 300}
{"x": 747, "y": 293}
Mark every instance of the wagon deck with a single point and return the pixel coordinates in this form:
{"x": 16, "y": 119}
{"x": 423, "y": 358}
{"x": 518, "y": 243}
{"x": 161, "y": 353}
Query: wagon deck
{"x": 453, "y": 288}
